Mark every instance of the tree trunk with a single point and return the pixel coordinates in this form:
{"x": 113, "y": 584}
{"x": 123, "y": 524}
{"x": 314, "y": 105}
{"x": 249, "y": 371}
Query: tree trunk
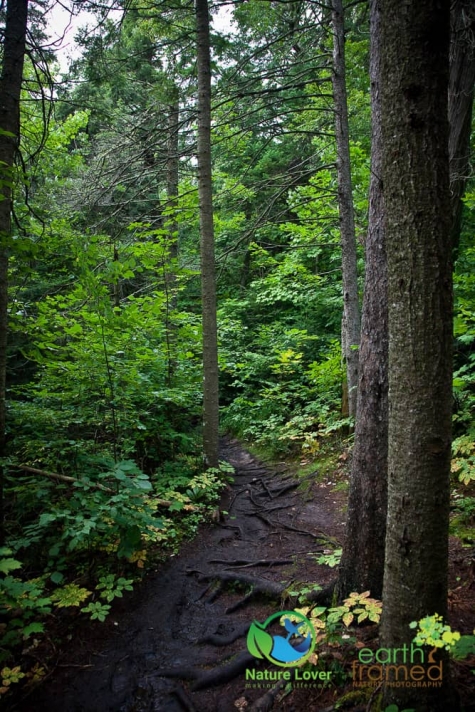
{"x": 351, "y": 316}
{"x": 461, "y": 90}
{"x": 10, "y": 89}
{"x": 362, "y": 563}
{"x": 208, "y": 276}
{"x": 415, "y": 63}
{"x": 172, "y": 228}
{"x": 172, "y": 171}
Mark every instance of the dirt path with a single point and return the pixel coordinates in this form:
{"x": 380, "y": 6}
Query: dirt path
{"x": 178, "y": 643}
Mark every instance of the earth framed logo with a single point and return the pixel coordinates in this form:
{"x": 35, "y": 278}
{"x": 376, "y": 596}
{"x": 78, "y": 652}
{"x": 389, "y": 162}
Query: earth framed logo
{"x": 292, "y": 647}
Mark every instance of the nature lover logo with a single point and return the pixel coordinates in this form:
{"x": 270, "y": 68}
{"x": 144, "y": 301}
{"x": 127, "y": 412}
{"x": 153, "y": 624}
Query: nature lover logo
{"x": 286, "y": 638}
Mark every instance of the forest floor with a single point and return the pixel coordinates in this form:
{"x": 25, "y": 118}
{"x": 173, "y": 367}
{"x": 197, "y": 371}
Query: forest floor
{"x": 178, "y": 643}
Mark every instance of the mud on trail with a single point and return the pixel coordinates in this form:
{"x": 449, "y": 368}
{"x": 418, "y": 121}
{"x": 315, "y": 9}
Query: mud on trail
{"x": 178, "y": 644}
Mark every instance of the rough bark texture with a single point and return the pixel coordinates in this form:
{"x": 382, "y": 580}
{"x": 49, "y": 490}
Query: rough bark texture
{"x": 208, "y": 276}
{"x": 414, "y": 90}
{"x": 461, "y": 90}
{"x": 10, "y": 88}
{"x": 351, "y": 316}
{"x": 362, "y": 563}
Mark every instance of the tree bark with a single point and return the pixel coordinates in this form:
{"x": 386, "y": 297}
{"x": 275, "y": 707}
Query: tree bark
{"x": 10, "y": 89}
{"x": 172, "y": 226}
{"x": 414, "y": 91}
{"x": 461, "y": 91}
{"x": 351, "y": 315}
{"x": 208, "y": 275}
{"x": 362, "y": 563}
{"x": 173, "y": 165}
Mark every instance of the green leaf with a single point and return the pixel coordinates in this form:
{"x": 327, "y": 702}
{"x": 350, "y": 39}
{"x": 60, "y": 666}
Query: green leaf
{"x": 143, "y": 485}
{"x": 32, "y": 628}
{"x": 464, "y": 647}
{"x": 7, "y": 565}
{"x": 259, "y": 642}
{"x": 130, "y": 541}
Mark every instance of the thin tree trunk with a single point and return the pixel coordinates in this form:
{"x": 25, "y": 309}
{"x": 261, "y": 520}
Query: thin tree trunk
{"x": 172, "y": 171}
{"x": 10, "y": 89}
{"x": 351, "y": 315}
{"x": 172, "y": 226}
{"x": 362, "y": 563}
{"x": 461, "y": 91}
{"x": 208, "y": 275}
{"x": 414, "y": 90}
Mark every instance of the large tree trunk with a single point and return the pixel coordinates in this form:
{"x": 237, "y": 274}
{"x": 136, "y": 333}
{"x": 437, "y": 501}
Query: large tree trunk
{"x": 414, "y": 90}
{"x": 461, "y": 90}
{"x": 351, "y": 315}
{"x": 362, "y": 563}
{"x": 208, "y": 276}
{"x": 10, "y": 89}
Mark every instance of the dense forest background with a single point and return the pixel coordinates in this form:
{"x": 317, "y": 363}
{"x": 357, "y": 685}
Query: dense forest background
{"x": 103, "y": 459}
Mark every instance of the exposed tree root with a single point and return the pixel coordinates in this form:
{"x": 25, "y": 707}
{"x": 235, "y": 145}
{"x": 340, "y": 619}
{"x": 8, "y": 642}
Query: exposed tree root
{"x": 183, "y": 699}
{"x": 216, "y": 590}
{"x": 256, "y": 504}
{"x": 225, "y": 673}
{"x": 236, "y": 495}
{"x": 242, "y": 602}
{"x": 267, "y": 490}
{"x": 222, "y": 640}
{"x": 264, "y": 519}
{"x": 215, "y": 593}
{"x": 266, "y": 702}
{"x": 259, "y": 586}
{"x": 277, "y": 507}
{"x": 322, "y": 536}
{"x": 181, "y": 673}
{"x": 245, "y": 563}
{"x": 232, "y": 526}
{"x": 273, "y": 494}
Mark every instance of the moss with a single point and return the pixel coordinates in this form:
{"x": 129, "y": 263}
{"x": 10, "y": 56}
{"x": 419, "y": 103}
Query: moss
{"x": 459, "y": 528}
{"x": 354, "y": 697}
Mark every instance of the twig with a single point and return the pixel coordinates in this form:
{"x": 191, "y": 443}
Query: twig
{"x": 94, "y": 485}
{"x": 373, "y": 695}
{"x": 62, "y": 478}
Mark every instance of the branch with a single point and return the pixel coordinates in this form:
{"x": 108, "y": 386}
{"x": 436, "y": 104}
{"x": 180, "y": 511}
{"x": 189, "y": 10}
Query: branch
{"x": 94, "y": 485}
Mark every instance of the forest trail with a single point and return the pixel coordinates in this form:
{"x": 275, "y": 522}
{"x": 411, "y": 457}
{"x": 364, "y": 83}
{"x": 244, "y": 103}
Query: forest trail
{"x": 178, "y": 644}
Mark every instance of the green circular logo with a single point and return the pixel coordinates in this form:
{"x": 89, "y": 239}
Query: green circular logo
{"x": 286, "y": 638}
